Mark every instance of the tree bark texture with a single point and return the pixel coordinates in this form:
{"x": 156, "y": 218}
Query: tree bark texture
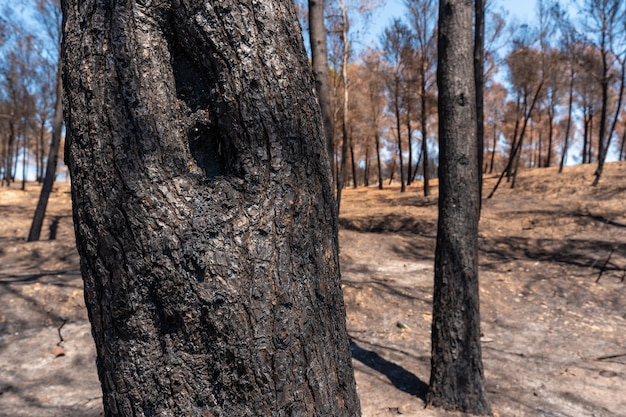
{"x": 457, "y": 380}
{"x": 204, "y": 210}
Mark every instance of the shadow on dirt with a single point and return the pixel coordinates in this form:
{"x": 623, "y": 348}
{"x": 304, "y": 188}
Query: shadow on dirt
{"x": 43, "y": 298}
{"x": 413, "y": 200}
{"x": 380, "y": 286}
{"x": 53, "y": 229}
{"x": 596, "y": 255}
{"x": 400, "y": 378}
{"x": 390, "y": 224}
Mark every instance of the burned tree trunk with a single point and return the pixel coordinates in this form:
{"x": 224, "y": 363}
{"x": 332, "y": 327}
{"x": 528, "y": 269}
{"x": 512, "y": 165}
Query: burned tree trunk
{"x": 204, "y": 210}
{"x": 51, "y": 170}
{"x": 457, "y": 380}
{"x": 319, "y": 59}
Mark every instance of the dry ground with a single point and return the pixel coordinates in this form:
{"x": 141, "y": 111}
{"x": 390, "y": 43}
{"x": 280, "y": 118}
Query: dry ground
{"x": 553, "y": 259}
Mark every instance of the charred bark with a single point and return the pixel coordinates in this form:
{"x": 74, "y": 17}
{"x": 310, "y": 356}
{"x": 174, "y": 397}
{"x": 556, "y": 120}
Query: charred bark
{"x": 204, "y": 210}
{"x": 457, "y": 379}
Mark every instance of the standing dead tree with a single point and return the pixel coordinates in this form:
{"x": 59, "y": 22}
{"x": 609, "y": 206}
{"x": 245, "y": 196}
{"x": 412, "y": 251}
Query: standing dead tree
{"x": 204, "y": 211}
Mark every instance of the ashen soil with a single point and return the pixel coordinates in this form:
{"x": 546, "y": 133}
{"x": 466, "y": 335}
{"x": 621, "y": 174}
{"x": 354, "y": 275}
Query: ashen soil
{"x": 553, "y": 305}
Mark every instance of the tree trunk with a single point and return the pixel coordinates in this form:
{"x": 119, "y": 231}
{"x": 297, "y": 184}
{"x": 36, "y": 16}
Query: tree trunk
{"x": 550, "y": 139}
{"x": 319, "y": 58}
{"x": 51, "y": 170}
{"x": 417, "y": 165}
{"x": 609, "y": 135}
{"x": 366, "y": 167}
{"x": 8, "y": 171}
{"x": 41, "y": 153}
{"x": 341, "y": 175}
{"x": 604, "y": 83}
{"x": 457, "y": 380}
{"x": 570, "y": 106}
{"x": 25, "y": 146}
{"x": 587, "y": 138}
{"x": 409, "y": 129}
{"x": 355, "y": 183}
{"x": 399, "y": 133}
{"x": 204, "y": 210}
{"x": 393, "y": 171}
{"x": 378, "y": 162}
{"x": 527, "y": 114}
{"x": 493, "y": 152}
{"x": 535, "y": 161}
{"x": 622, "y": 144}
{"x": 479, "y": 80}
{"x": 424, "y": 121}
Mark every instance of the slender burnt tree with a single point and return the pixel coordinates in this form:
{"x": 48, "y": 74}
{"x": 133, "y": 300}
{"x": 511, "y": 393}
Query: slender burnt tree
{"x": 457, "y": 379}
{"x": 319, "y": 59}
{"x": 396, "y": 41}
{"x": 423, "y": 23}
{"x": 50, "y": 12}
{"x": 204, "y": 211}
{"x": 479, "y": 82}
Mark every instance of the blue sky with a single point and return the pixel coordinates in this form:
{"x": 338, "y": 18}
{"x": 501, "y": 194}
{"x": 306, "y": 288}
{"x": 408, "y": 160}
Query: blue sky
{"x": 521, "y": 10}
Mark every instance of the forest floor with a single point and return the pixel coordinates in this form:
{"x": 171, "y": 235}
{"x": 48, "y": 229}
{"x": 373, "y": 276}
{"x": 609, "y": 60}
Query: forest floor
{"x": 553, "y": 299}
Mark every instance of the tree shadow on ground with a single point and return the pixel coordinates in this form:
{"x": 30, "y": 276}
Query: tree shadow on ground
{"x": 581, "y": 253}
{"x": 412, "y": 200}
{"x": 391, "y": 223}
{"x": 400, "y": 378}
{"x": 42, "y": 297}
{"x": 597, "y": 257}
{"x": 53, "y": 228}
{"x": 382, "y": 287}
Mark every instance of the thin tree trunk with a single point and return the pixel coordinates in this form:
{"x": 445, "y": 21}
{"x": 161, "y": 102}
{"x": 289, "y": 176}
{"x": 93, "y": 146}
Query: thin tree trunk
{"x": 457, "y": 377}
{"x": 57, "y": 126}
{"x": 517, "y": 148}
{"x": 493, "y": 152}
{"x": 399, "y": 138}
{"x": 41, "y": 153}
{"x": 204, "y": 210}
{"x": 378, "y": 162}
{"x": 8, "y": 173}
{"x": 24, "y": 160}
{"x": 366, "y": 170}
{"x": 524, "y": 125}
{"x": 570, "y": 106}
{"x": 605, "y": 148}
{"x": 604, "y": 83}
{"x": 479, "y": 79}
{"x": 409, "y": 129}
{"x": 514, "y": 140}
{"x": 424, "y": 121}
{"x": 393, "y": 171}
{"x": 550, "y": 139}
{"x": 417, "y": 164}
{"x": 341, "y": 176}
{"x": 623, "y": 144}
{"x": 16, "y": 156}
{"x": 319, "y": 58}
{"x": 586, "y": 140}
{"x": 353, "y": 164}
{"x": 537, "y": 163}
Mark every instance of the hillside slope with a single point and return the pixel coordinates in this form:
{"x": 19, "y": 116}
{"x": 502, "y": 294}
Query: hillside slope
{"x": 552, "y": 265}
